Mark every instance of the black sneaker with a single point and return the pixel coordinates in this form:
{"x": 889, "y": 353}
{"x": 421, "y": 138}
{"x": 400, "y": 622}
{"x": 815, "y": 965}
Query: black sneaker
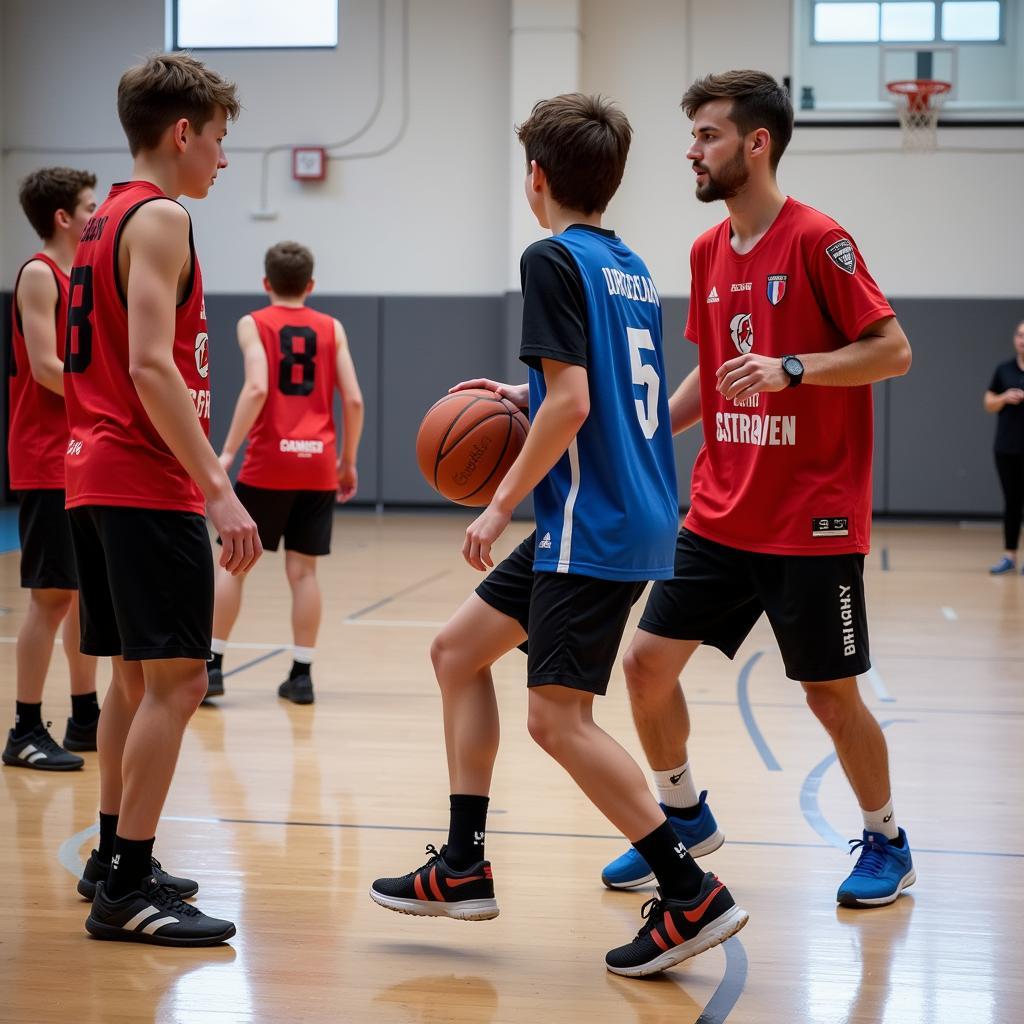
{"x": 675, "y": 930}
{"x": 80, "y": 737}
{"x": 214, "y": 683}
{"x": 39, "y": 750}
{"x": 155, "y": 914}
{"x": 298, "y": 690}
{"x": 435, "y": 890}
{"x": 96, "y": 871}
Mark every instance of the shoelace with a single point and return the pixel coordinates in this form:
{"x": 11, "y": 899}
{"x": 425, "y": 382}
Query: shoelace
{"x": 46, "y": 743}
{"x": 871, "y": 861}
{"x": 434, "y": 854}
{"x": 649, "y": 912}
{"x": 167, "y": 898}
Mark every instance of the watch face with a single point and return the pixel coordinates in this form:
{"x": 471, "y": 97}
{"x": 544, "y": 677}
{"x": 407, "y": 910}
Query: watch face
{"x": 793, "y": 366}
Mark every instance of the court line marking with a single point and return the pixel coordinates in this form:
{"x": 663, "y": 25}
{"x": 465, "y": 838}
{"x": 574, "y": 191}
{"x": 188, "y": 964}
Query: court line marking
{"x": 743, "y": 700}
{"x": 949, "y": 614}
{"x": 878, "y": 685}
{"x": 398, "y": 593}
{"x": 256, "y": 661}
{"x": 809, "y": 805}
{"x": 730, "y": 988}
{"x": 885, "y": 559}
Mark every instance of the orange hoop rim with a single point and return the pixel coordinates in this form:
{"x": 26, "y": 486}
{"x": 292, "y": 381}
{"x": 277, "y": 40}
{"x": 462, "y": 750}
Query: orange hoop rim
{"x": 919, "y": 92}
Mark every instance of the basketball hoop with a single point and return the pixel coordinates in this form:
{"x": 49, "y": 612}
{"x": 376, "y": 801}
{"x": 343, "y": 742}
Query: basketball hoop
{"x": 918, "y": 101}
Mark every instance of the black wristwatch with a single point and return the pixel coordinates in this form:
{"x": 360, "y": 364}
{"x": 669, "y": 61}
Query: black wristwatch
{"x": 793, "y": 369}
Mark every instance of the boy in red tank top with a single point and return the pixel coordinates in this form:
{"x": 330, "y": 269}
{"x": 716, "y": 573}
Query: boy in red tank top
{"x": 791, "y": 331}
{"x": 58, "y": 202}
{"x": 295, "y": 359}
{"x": 140, "y": 474}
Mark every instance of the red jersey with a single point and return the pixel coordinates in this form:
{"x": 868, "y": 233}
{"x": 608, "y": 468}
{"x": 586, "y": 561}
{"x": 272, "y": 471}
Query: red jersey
{"x": 787, "y": 473}
{"x": 292, "y": 444}
{"x": 39, "y": 423}
{"x": 115, "y": 456}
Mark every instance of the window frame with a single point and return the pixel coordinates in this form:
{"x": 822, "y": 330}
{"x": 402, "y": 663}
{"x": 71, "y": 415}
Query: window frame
{"x": 937, "y": 38}
{"x": 174, "y": 46}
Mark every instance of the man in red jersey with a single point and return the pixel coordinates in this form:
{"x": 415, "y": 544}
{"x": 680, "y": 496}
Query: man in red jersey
{"x": 58, "y": 202}
{"x": 294, "y": 359}
{"x": 791, "y": 332}
{"x": 140, "y": 472}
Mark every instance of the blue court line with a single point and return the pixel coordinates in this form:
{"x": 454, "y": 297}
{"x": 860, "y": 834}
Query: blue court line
{"x": 809, "y": 796}
{"x": 885, "y": 559}
{"x": 743, "y": 699}
{"x": 255, "y": 661}
{"x": 398, "y": 593}
{"x": 9, "y": 529}
{"x": 730, "y": 988}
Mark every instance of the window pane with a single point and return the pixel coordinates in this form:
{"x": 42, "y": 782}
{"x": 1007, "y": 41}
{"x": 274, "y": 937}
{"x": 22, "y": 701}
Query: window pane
{"x": 227, "y": 24}
{"x": 971, "y": 20}
{"x": 845, "y": 23}
{"x": 908, "y": 22}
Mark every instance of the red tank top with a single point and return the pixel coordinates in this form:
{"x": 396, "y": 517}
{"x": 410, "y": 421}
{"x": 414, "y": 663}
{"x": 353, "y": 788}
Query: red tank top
{"x": 39, "y": 423}
{"x": 292, "y": 443}
{"x": 115, "y": 456}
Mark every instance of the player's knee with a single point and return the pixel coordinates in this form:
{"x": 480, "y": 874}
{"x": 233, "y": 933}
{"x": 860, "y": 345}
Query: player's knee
{"x": 832, "y": 705}
{"x": 191, "y": 693}
{"x": 549, "y": 726}
{"x": 447, "y": 655}
{"x": 52, "y": 605}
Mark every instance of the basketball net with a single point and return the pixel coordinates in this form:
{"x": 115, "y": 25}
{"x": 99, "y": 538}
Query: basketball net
{"x": 918, "y": 102}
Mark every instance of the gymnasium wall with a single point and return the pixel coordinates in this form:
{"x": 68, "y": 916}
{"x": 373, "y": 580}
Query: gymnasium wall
{"x": 415, "y": 245}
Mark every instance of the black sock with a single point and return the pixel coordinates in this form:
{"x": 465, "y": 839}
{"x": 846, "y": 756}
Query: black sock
{"x": 468, "y": 824}
{"x": 27, "y": 717}
{"x": 131, "y": 863}
{"x": 108, "y": 829}
{"x": 85, "y": 709}
{"x": 301, "y": 668}
{"x": 677, "y": 872}
{"x": 215, "y": 661}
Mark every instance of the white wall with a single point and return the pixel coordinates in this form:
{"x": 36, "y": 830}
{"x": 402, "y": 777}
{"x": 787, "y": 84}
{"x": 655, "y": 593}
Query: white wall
{"x": 432, "y": 216}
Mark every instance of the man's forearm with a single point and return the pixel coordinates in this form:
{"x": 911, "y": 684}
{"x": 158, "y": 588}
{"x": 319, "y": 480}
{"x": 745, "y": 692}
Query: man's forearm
{"x": 865, "y": 361}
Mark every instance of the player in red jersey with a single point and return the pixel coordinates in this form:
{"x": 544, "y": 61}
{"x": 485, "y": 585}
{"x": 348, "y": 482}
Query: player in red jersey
{"x": 140, "y": 473}
{"x": 791, "y": 332}
{"x": 295, "y": 358}
{"x": 58, "y": 202}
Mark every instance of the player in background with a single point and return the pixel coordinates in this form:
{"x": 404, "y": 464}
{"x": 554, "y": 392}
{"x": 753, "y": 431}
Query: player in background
{"x": 598, "y": 460}
{"x": 295, "y": 358}
{"x": 140, "y": 473}
{"x": 58, "y": 201}
{"x": 791, "y": 332}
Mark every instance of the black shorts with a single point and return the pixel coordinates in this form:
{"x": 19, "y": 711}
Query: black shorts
{"x": 145, "y": 582}
{"x": 573, "y": 623}
{"x": 303, "y": 518}
{"x": 47, "y": 555}
{"x": 815, "y": 604}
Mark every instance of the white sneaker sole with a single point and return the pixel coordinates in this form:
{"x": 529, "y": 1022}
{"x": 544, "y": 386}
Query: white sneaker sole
{"x": 702, "y": 849}
{"x": 713, "y": 934}
{"x": 464, "y": 910}
{"x": 880, "y": 901}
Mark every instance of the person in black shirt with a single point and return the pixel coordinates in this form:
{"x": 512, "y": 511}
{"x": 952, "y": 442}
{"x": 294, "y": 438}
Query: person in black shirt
{"x": 1005, "y": 396}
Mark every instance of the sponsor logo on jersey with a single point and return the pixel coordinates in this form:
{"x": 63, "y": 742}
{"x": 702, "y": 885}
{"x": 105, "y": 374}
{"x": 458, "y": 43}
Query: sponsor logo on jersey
{"x": 776, "y": 288}
{"x": 301, "y": 447}
{"x": 713, "y": 295}
{"x": 74, "y": 447}
{"x": 842, "y": 254}
{"x": 202, "y": 309}
{"x": 741, "y": 330}
{"x": 763, "y": 431}
{"x": 830, "y": 526}
{"x": 545, "y": 541}
{"x": 846, "y": 618}
{"x": 202, "y": 358}
{"x": 201, "y": 400}
{"x": 630, "y": 286}
{"x": 743, "y": 286}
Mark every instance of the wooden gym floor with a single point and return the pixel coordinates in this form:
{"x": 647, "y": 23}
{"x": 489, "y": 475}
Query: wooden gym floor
{"x": 286, "y": 814}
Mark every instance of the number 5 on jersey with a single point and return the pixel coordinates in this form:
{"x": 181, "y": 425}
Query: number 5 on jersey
{"x": 646, "y": 376}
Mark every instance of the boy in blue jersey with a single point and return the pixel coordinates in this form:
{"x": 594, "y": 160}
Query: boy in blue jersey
{"x": 599, "y": 462}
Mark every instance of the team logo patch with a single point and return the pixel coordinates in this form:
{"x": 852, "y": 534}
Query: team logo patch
{"x": 776, "y": 288}
{"x": 202, "y": 360}
{"x": 842, "y": 254}
{"x": 741, "y": 329}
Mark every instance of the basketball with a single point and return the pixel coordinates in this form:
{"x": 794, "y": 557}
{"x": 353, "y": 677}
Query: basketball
{"x": 466, "y": 443}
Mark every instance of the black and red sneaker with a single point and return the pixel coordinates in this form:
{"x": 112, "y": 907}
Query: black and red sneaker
{"x": 675, "y": 930}
{"x": 436, "y": 890}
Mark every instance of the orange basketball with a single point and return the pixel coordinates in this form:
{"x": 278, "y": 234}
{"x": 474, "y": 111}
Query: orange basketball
{"x": 466, "y": 443}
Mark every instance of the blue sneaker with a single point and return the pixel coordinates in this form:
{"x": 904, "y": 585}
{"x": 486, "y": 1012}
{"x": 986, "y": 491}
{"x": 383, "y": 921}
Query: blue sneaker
{"x": 1002, "y": 567}
{"x": 699, "y": 835}
{"x": 881, "y": 873}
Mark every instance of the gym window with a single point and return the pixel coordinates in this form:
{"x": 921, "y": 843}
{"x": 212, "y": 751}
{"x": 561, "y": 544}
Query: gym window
{"x": 252, "y": 24}
{"x": 907, "y": 21}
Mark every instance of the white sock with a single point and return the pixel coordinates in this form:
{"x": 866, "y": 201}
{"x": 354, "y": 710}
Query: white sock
{"x": 883, "y": 820}
{"x": 675, "y": 787}
{"x": 303, "y": 655}
{"x": 218, "y": 646}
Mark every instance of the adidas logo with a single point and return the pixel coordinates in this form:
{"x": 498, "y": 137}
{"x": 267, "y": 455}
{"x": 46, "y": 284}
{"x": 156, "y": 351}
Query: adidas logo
{"x": 713, "y": 294}
{"x": 545, "y": 541}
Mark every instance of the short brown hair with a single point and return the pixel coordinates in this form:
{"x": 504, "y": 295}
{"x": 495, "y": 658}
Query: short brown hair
{"x": 167, "y": 87}
{"x": 758, "y": 101}
{"x": 581, "y": 142}
{"x": 48, "y": 190}
{"x": 289, "y": 268}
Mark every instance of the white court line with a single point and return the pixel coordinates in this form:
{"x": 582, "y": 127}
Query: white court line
{"x": 951, "y": 616}
{"x": 878, "y": 685}
{"x": 396, "y": 623}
